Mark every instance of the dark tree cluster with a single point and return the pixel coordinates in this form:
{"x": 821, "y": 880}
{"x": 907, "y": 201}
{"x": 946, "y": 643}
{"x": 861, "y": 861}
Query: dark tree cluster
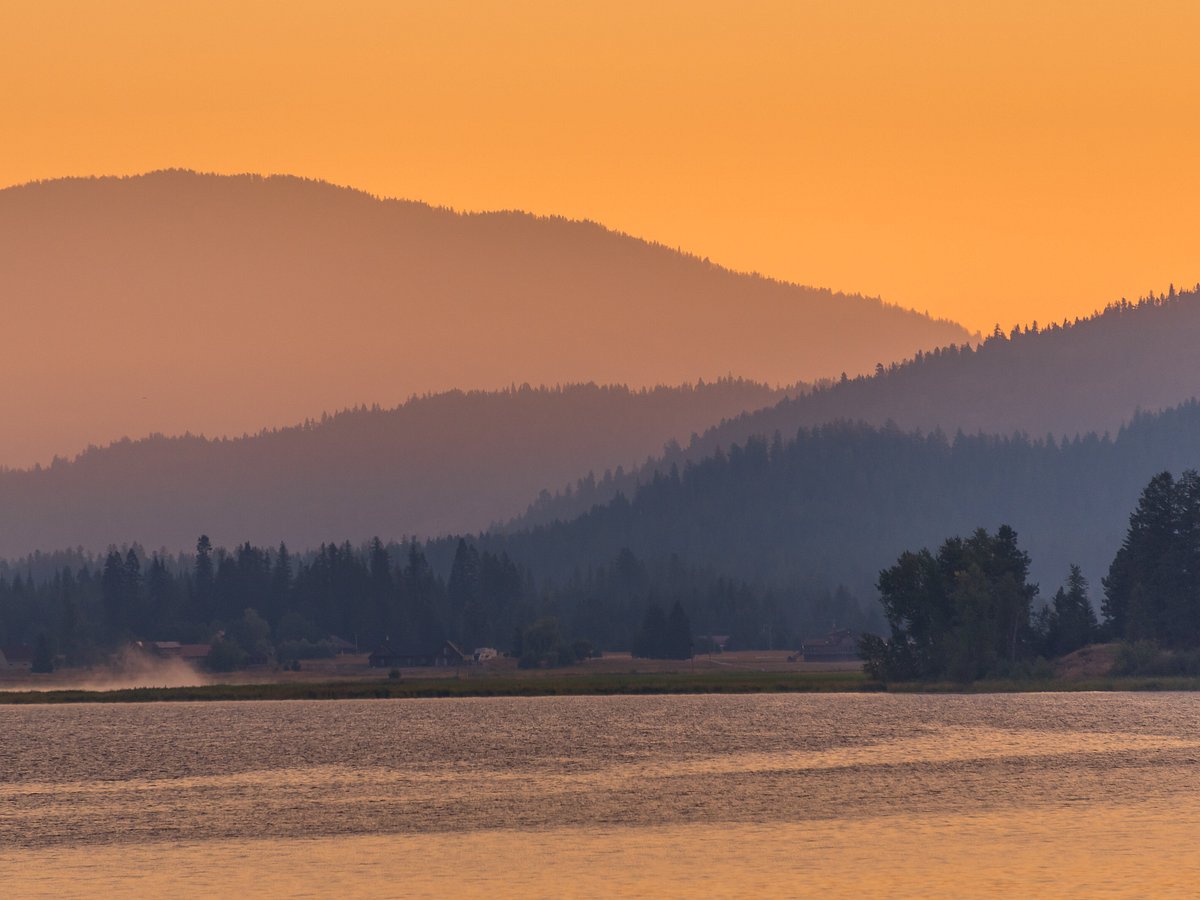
{"x": 962, "y": 613}
{"x": 257, "y": 605}
{"x": 664, "y": 636}
{"x": 1069, "y": 621}
{"x": 542, "y": 645}
{"x": 966, "y": 612}
{"x": 1152, "y": 591}
{"x": 1054, "y": 378}
{"x": 836, "y": 504}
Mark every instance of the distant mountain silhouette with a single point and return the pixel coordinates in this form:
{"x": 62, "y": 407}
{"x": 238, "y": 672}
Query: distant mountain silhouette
{"x": 176, "y": 301}
{"x": 835, "y": 504}
{"x": 1090, "y": 375}
{"x": 450, "y": 462}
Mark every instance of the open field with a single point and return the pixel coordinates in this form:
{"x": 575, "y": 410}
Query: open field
{"x": 614, "y": 685}
{"x": 147, "y": 671}
{"x": 558, "y": 683}
{"x": 349, "y": 678}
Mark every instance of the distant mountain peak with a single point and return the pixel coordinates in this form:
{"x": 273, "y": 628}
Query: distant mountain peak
{"x": 220, "y": 304}
{"x": 1092, "y": 374}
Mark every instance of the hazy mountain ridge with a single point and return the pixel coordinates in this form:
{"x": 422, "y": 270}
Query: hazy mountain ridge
{"x": 177, "y": 302}
{"x": 839, "y": 502}
{"x": 449, "y": 462}
{"x": 1091, "y": 375}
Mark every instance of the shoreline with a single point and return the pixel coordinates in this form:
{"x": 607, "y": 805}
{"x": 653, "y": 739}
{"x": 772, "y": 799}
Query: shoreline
{"x": 583, "y": 685}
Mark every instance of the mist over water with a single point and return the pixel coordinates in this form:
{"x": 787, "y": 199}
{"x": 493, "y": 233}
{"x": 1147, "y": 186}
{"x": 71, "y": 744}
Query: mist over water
{"x": 610, "y": 796}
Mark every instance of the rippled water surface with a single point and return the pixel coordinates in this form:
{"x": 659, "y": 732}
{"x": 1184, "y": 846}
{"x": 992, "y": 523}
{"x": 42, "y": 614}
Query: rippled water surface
{"x": 783, "y": 795}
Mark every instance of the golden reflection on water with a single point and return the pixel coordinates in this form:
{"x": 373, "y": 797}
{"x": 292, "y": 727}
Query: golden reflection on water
{"x": 1033, "y": 795}
{"x": 1087, "y": 851}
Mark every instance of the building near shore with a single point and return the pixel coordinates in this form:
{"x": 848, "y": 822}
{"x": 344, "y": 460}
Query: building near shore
{"x": 413, "y": 653}
{"x": 838, "y": 646}
{"x": 16, "y": 656}
{"x": 192, "y": 653}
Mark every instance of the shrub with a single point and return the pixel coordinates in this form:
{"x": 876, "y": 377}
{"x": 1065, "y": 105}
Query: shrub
{"x": 1147, "y": 659}
{"x": 225, "y": 656}
{"x": 303, "y": 649}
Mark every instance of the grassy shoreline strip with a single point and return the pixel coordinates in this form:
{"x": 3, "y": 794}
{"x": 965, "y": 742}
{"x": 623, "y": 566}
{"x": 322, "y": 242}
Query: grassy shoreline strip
{"x": 546, "y": 686}
{"x": 592, "y": 685}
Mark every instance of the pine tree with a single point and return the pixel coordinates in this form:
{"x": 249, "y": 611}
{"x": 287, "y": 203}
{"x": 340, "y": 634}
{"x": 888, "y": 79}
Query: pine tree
{"x": 652, "y": 639}
{"x": 132, "y": 588}
{"x": 679, "y": 634}
{"x": 382, "y": 588}
{"x": 1072, "y": 621}
{"x": 1143, "y": 579}
{"x": 112, "y": 591}
{"x": 281, "y": 583}
{"x": 203, "y": 575}
{"x": 43, "y": 661}
{"x": 463, "y": 595}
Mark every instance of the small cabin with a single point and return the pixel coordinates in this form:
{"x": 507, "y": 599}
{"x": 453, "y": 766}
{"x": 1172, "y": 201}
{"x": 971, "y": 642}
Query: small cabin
{"x": 340, "y": 645}
{"x": 837, "y": 646}
{"x": 712, "y": 643}
{"x": 194, "y": 653}
{"x": 191, "y": 653}
{"x": 16, "y": 656}
{"x": 416, "y": 654}
{"x": 165, "y": 649}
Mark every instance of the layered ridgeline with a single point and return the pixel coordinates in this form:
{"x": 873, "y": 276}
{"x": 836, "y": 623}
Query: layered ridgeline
{"x": 836, "y": 504}
{"x": 758, "y": 543}
{"x": 178, "y": 302}
{"x": 450, "y": 462}
{"x": 1091, "y": 375}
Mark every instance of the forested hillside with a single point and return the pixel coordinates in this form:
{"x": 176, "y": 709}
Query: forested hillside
{"x": 177, "y": 302}
{"x": 450, "y": 462}
{"x": 768, "y": 542}
{"x": 1091, "y": 375}
{"x": 258, "y": 602}
{"x": 835, "y": 504}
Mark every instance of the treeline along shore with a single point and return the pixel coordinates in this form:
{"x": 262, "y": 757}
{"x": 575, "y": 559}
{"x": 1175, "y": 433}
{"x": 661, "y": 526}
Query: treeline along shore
{"x": 582, "y": 685}
{"x": 966, "y": 614}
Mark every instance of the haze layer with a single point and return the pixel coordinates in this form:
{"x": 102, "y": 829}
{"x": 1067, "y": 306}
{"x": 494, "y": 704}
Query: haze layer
{"x": 177, "y": 302}
{"x": 989, "y": 162}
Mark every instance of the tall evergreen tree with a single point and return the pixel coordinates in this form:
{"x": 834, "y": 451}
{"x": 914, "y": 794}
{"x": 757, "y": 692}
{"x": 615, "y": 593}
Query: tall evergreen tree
{"x": 43, "y": 659}
{"x": 132, "y": 586}
{"x": 1152, "y": 590}
{"x": 652, "y": 639}
{"x": 113, "y": 593}
{"x": 678, "y": 634}
{"x": 463, "y": 595}
{"x": 382, "y": 590}
{"x": 1072, "y": 621}
{"x": 204, "y": 577}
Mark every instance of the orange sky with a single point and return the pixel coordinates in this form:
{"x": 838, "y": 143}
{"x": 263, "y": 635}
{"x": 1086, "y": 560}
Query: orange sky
{"x": 1000, "y": 161}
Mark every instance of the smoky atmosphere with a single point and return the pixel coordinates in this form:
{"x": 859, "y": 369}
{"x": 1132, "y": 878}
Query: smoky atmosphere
{"x": 599, "y": 450}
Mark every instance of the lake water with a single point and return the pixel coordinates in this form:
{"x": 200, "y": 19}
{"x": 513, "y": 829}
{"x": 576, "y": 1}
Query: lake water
{"x": 779, "y": 795}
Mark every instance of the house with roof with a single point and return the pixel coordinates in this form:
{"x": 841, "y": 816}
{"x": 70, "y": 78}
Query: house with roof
{"x": 190, "y": 653}
{"x": 414, "y": 652}
{"x": 194, "y": 653}
{"x": 16, "y": 656}
{"x": 840, "y": 645}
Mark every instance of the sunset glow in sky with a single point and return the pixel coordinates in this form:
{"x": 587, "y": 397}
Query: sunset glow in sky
{"x": 1004, "y": 161}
